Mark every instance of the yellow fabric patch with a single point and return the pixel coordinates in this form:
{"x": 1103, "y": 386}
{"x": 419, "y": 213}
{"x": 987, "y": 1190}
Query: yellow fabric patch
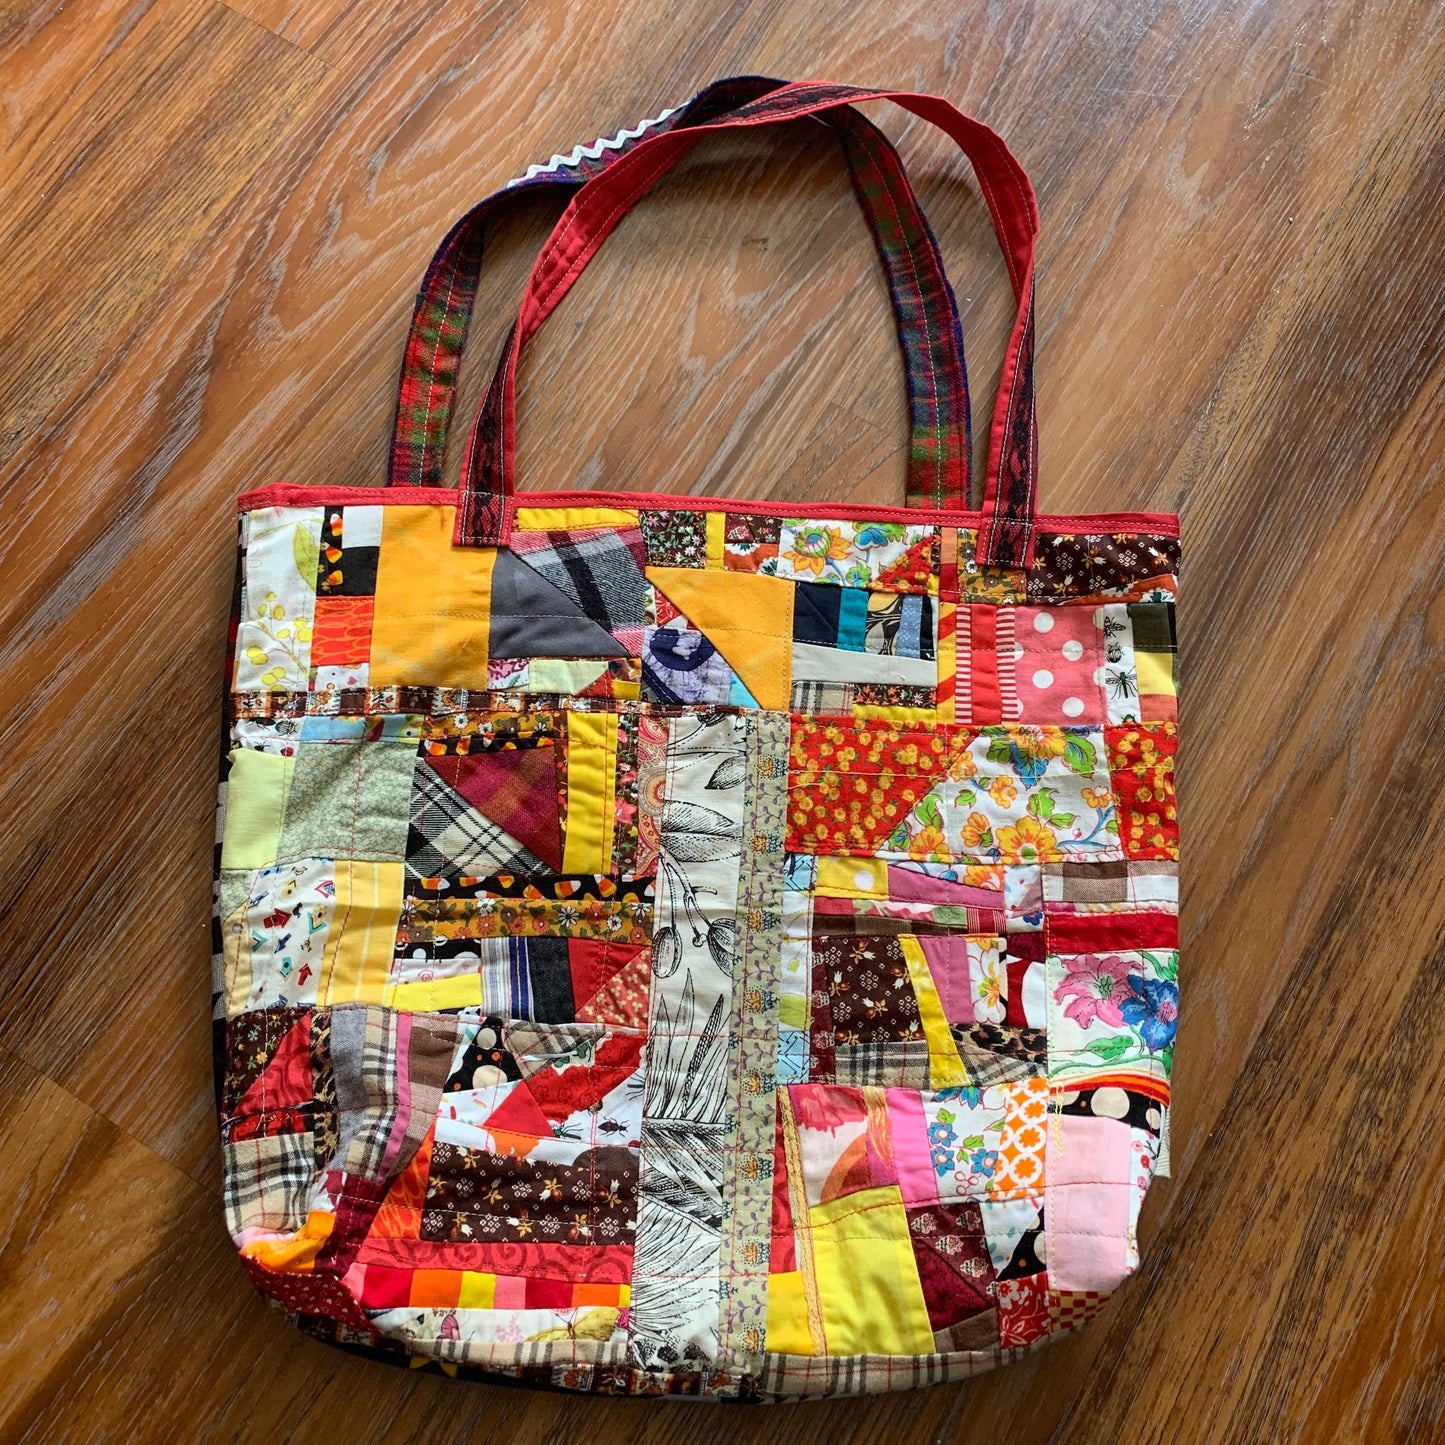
{"x": 1155, "y": 671}
{"x": 297, "y": 1252}
{"x": 563, "y": 674}
{"x": 868, "y": 1287}
{"x": 255, "y": 806}
{"x": 717, "y": 523}
{"x": 852, "y": 878}
{"x": 787, "y": 1318}
{"x": 432, "y": 617}
{"x": 478, "y": 1290}
{"x": 793, "y": 1011}
{"x": 945, "y": 1068}
{"x": 900, "y": 716}
{"x": 591, "y": 771}
{"x": 748, "y": 618}
{"x": 424, "y": 996}
{"x": 572, "y": 519}
{"x": 356, "y": 966}
{"x": 236, "y": 952}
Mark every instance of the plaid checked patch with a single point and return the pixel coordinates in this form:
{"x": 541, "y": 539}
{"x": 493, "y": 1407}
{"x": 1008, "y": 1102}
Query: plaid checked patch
{"x": 823, "y": 697}
{"x": 390, "y": 1069}
{"x": 363, "y": 1053}
{"x": 267, "y": 1182}
{"x": 901, "y": 1064}
{"x": 868, "y": 1374}
{"x": 448, "y": 835}
{"x": 601, "y": 571}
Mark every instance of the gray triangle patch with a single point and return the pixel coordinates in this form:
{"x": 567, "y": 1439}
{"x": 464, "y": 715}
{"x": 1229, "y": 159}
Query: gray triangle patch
{"x": 533, "y": 618}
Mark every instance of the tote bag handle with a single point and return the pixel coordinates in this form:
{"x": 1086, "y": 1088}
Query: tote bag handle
{"x": 1006, "y": 527}
{"x": 923, "y": 304}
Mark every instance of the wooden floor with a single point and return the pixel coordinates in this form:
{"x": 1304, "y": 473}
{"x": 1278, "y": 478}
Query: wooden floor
{"x": 214, "y": 219}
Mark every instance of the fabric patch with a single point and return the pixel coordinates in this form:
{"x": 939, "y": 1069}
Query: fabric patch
{"x": 274, "y": 949}
{"x": 599, "y": 569}
{"x": 1088, "y": 1204}
{"x": 350, "y": 549}
{"x": 674, "y": 539}
{"x": 1141, "y": 769}
{"x": 531, "y": 617}
{"x": 992, "y": 585}
{"x": 1057, "y": 665}
{"x": 680, "y": 664}
{"x": 1096, "y": 564}
{"x": 591, "y": 779}
{"x": 869, "y": 1293}
{"x": 753, "y": 1040}
{"x": 342, "y": 633}
{"x": 256, "y": 790}
{"x": 515, "y": 787}
{"x": 357, "y": 959}
{"x": 952, "y": 1258}
{"x": 450, "y": 834}
{"x": 749, "y": 542}
{"x": 1151, "y": 626}
{"x": 1023, "y": 1310}
{"x": 675, "y": 1308}
{"x": 266, "y": 1183}
{"x": 278, "y": 598}
{"x": 836, "y": 664}
{"x": 950, "y": 794}
{"x": 901, "y": 624}
{"x": 748, "y": 619}
{"x": 889, "y": 556}
{"x": 1113, "y": 1017}
{"x": 348, "y": 800}
{"x": 432, "y": 614}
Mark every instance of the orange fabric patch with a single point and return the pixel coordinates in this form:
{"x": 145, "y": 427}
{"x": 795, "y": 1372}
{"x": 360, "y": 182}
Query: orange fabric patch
{"x": 341, "y": 633}
{"x": 1141, "y": 768}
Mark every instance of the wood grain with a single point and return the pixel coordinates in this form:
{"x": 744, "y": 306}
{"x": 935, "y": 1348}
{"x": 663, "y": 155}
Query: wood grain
{"x": 214, "y": 218}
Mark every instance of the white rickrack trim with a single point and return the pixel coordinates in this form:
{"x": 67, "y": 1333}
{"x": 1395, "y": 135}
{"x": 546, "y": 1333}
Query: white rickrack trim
{"x": 594, "y": 151}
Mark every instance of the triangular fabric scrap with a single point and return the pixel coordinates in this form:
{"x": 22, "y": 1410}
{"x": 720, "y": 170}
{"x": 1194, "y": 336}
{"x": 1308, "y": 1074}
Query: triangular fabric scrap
{"x": 286, "y": 1081}
{"x": 449, "y": 835}
{"x": 601, "y": 993}
{"x": 516, "y": 788}
{"x": 600, "y": 569}
{"x": 533, "y": 618}
{"x": 517, "y": 1123}
{"x": 748, "y": 618}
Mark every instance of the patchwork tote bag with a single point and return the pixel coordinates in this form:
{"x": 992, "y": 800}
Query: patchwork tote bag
{"x": 674, "y": 946}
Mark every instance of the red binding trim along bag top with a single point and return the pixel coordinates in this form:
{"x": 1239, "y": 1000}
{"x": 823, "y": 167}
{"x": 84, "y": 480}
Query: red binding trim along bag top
{"x": 666, "y": 945}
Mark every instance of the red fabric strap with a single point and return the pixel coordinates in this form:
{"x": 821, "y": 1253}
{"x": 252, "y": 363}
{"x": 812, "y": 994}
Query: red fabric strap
{"x": 1006, "y": 534}
{"x": 924, "y": 308}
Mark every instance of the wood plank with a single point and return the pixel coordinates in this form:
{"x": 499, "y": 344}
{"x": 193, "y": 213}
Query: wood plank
{"x": 148, "y": 165}
{"x": 304, "y": 25}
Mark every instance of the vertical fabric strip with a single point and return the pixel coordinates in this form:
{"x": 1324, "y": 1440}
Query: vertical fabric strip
{"x": 983, "y": 663}
{"x": 1006, "y": 662}
{"x": 676, "y": 1289}
{"x": 587, "y": 847}
{"x": 948, "y": 679}
{"x": 753, "y": 1050}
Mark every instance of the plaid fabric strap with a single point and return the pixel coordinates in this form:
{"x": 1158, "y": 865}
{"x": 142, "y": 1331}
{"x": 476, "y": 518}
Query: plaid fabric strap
{"x": 1007, "y": 526}
{"x": 923, "y": 304}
